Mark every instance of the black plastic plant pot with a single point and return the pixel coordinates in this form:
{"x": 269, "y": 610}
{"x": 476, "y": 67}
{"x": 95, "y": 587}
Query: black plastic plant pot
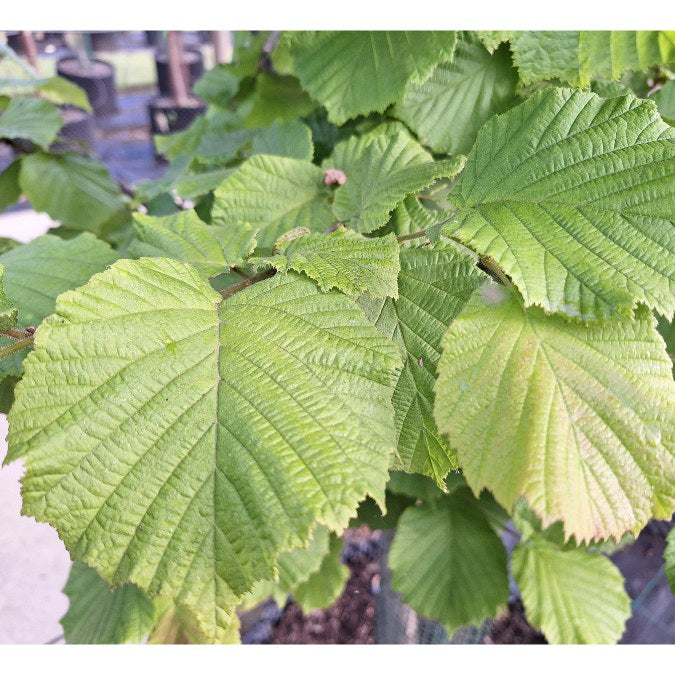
{"x": 103, "y": 41}
{"x": 192, "y": 58}
{"x": 166, "y": 117}
{"x": 154, "y": 38}
{"x": 14, "y": 41}
{"x": 78, "y": 133}
{"x": 97, "y": 80}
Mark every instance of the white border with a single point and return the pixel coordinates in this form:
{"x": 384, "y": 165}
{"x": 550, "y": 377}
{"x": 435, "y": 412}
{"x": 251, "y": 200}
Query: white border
{"x": 336, "y": 14}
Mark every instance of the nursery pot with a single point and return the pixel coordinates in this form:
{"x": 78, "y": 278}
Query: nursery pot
{"x": 14, "y": 41}
{"x": 193, "y": 62}
{"x": 98, "y": 81}
{"x": 167, "y": 117}
{"x": 103, "y": 41}
{"x": 78, "y": 132}
{"x": 154, "y": 38}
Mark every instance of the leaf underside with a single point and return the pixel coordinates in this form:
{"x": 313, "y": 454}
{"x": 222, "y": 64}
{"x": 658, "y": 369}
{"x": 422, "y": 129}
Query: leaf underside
{"x": 560, "y": 413}
{"x": 572, "y": 596}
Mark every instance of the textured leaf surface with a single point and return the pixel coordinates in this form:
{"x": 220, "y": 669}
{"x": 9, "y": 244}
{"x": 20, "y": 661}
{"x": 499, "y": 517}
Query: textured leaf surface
{"x": 37, "y": 272}
{"x": 449, "y": 108}
{"x": 285, "y": 138}
{"x": 572, "y": 596}
{"x": 356, "y": 72}
{"x": 578, "y": 56}
{"x": 223, "y": 430}
{"x": 669, "y": 556}
{"x": 8, "y": 311}
{"x": 273, "y": 194}
{"x": 434, "y": 284}
{"x": 447, "y": 562}
{"x": 381, "y": 169}
{"x": 344, "y": 260}
{"x": 322, "y": 588}
{"x": 577, "y": 419}
{"x": 208, "y": 248}
{"x": 32, "y": 119}
{"x": 76, "y": 191}
{"x": 572, "y": 195}
{"x": 98, "y": 614}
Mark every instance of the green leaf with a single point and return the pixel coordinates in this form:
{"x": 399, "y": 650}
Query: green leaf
{"x": 218, "y": 147}
{"x": 294, "y": 567}
{"x": 669, "y": 556}
{"x": 210, "y": 249}
{"x": 491, "y": 39}
{"x": 286, "y": 139}
{"x": 325, "y": 586}
{"x": 571, "y": 195}
{"x": 417, "y": 486}
{"x": 560, "y": 413}
{"x": 223, "y": 429}
{"x": 10, "y": 190}
{"x": 77, "y": 191}
{"x": 217, "y": 86}
{"x": 344, "y": 260}
{"x": 572, "y": 596}
{"x": 64, "y": 92}
{"x": 32, "y": 119}
{"x": 382, "y": 169}
{"x": 578, "y": 56}
{"x": 195, "y": 185}
{"x": 277, "y": 97}
{"x": 8, "y": 311}
{"x": 447, "y": 563}
{"x": 357, "y": 72}
{"x": 434, "y": 284}
{"x": 273, "y": 194}
{"x": 449, "y": 108}
{"x": 99, "y": 614}
{"x": 39, "y": 271}
{"x": 411, "y": 216}
{"x": 58, "y": 90}
{"x": 665, "y": 100}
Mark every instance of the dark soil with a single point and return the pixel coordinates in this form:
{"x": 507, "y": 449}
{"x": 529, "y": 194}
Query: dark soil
{"x": 351, "y": 620}
{"x": 513, "y": 629}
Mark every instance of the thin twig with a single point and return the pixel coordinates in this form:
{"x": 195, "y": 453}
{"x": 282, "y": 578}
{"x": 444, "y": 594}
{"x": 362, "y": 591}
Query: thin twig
{"x": 412, "y": 235}
{"x": 15, "y": 347}
{"x": 17, "y": 334}
{"x": 235, "y": 288}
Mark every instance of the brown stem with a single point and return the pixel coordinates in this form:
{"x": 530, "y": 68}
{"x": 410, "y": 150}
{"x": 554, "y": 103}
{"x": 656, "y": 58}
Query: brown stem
{"x": 412, "y": 235}
{"x": 15, "y": 347}
{"x": 30, "y": 49}
{"x": 17, "y": 334}
{"x": 235, "y": 288}
{"x": 177, "y": 68}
